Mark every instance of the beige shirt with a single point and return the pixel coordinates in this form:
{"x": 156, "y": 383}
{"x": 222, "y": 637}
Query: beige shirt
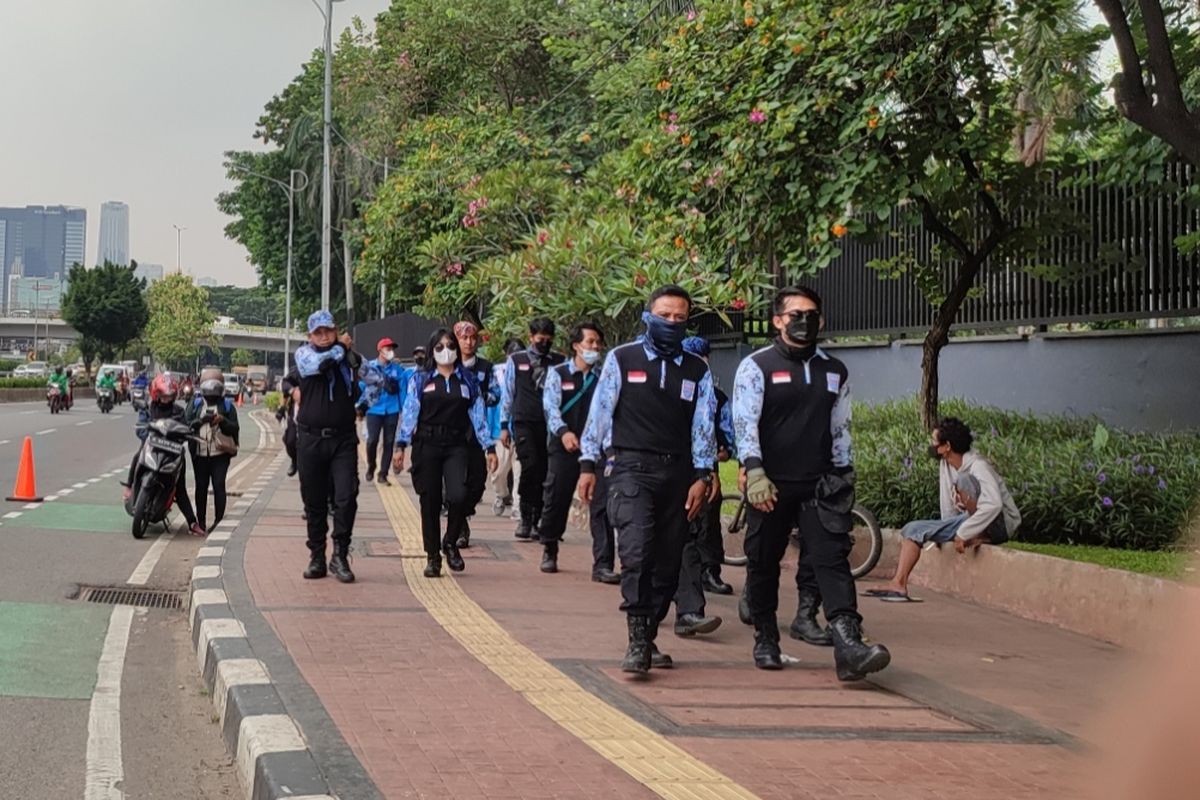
{"x": 994, "y": 497}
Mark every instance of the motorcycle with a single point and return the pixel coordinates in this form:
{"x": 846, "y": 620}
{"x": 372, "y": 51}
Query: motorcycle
{"x": 137, "y": 396}
{"x": 54, "y": 398}
{"x": 104, "y": 399}
{"x": 157, "y": 471}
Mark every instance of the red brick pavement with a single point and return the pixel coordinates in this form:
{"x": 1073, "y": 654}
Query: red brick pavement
{"x": 427, "y": 719}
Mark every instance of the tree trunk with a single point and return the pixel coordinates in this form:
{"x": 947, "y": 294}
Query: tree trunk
{"x": 930, "y": 353}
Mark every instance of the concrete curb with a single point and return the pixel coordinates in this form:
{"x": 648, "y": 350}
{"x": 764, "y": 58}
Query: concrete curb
{"x": 270, "y": 751}
{"x": 1108, "y": 604}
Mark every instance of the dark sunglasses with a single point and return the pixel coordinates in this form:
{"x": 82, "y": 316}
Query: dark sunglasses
{"x": 440, "y": 347}
{"x": 806, "y": 314}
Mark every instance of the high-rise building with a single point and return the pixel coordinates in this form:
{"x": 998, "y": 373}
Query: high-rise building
{"x": 114, "y": 234}
{"x": 41, "y": 242}
{"x": 148, "y": 272}
{"x": 206, "y": 282}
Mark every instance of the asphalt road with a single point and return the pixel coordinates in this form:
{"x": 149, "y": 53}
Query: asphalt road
{"x": 51, "y": 642}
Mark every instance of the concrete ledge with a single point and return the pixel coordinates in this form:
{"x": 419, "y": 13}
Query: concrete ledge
{"x": 1109, "y": 604}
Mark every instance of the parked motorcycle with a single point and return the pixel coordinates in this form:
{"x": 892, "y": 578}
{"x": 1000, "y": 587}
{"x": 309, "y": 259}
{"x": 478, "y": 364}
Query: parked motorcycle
{"x": 54, "y": 398}
{"x": 104, "y": 399}
{"x": 154, "y": 478}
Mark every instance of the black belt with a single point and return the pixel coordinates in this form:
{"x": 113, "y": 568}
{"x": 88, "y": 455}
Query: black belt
{"x": 442, "y": 432}
{"x": 666, "y": 458}
{"x": 325, "y": 433}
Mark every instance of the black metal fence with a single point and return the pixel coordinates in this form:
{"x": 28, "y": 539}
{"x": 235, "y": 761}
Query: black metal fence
{"x": 1121, "y": 263}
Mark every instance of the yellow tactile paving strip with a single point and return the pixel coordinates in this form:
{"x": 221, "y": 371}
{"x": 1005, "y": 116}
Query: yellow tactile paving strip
{"x": 646, "y": 756}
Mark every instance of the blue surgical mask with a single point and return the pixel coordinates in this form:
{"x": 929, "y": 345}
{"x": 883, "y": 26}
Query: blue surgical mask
{"x": 589, "y": 357}
{"x": 664, "y": 336}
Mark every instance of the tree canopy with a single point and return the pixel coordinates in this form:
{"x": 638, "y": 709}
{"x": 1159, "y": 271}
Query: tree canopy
{"x": 180, "y": 320}
{"x": 105, "y": 304}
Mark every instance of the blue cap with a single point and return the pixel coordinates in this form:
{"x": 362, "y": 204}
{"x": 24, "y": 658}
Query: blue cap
{"x": 696, "y": 345}
{"x": 320, "y": 319}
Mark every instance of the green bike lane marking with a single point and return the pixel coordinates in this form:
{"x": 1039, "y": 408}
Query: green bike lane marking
{"x": 50, "y": 651}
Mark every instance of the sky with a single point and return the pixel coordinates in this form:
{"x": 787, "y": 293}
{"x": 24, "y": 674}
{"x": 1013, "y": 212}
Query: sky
{"x": 136, "y": 100}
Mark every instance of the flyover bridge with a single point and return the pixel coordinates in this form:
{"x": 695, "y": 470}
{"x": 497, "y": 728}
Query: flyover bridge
{"x": 251, "y": 337}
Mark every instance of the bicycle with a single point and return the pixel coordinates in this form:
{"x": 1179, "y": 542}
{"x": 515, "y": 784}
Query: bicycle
{"x": 866, "y": 537}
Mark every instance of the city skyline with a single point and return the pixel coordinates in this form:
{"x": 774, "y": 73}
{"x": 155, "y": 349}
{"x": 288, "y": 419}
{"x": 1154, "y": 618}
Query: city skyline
{"x": 170, "y": 95}
{"x": 114, "y": 233}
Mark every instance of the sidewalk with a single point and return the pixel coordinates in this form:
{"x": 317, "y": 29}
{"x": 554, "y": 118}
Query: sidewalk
{"x": 501, "y": 682}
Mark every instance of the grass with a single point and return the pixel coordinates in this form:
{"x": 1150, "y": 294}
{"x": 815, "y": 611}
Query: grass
{"x": 1160, "y": 563}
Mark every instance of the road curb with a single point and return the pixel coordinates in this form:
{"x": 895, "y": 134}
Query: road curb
{"x": 272, "y": 756}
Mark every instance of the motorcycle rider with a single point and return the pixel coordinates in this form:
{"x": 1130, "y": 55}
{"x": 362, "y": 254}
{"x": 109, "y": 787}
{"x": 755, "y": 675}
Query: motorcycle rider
{"x": 107, "y": 380}
{"x": 60, "y": 380}
{"x": 162, "y": 405}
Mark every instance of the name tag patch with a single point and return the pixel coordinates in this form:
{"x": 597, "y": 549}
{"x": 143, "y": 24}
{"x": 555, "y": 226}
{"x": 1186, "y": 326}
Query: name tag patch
{"x": 636, "y": 376}
{"x": 833, "y": 382}
{"x": 687, "y": 391}
{"x": 568, "y": 386}
{"x": 781, "y": 377}
{"x": 523, "y": 367}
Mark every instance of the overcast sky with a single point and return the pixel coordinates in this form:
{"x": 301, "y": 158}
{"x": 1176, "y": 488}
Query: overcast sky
{"x": 136, "y": 100}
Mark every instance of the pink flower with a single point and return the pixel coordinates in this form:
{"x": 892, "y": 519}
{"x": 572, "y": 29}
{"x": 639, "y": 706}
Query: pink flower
{"x": 454, "y": 269}
{"x": 543, "y": 236}
{"x": 757, "y": 116}
{"x": 691, "y": 15}
{"x": 672, "y": 117}
{"x": 672, "y": 129}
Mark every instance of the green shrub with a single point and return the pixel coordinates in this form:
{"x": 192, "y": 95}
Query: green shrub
{"x": 273, "y": 400}
{"x": 9, "y": 364}
{"x": 1074, "y": 481}
{"x": 22, "y": 383}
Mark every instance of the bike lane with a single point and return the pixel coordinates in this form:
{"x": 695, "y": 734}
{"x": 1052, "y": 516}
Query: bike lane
{"x": 503, "y": 682}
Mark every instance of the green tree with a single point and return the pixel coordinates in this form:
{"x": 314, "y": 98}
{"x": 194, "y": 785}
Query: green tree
{"x": 180, "y": 320}
{"x": 241, "y": 357}
{"x": 256, "y": 305}
{"x": 106, "y": 306}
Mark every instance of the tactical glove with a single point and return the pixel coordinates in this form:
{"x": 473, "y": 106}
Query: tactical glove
{"x": 759, "y": 488}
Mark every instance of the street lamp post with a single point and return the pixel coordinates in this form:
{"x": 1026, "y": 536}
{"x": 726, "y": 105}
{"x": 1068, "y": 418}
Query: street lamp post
{"x": 179, "y": 229}
{"x": 326, "y": 180}
{"x": 290, "y": 188}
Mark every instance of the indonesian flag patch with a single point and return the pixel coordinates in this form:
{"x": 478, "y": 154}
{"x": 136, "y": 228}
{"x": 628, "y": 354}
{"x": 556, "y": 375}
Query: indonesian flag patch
{"x": 568, "y": 386}
{"x": 636, "y": 376}
{"x": 781, "y": 377}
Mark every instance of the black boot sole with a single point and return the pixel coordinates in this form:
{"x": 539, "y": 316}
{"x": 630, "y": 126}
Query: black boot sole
{"x": 876, "y": 663}
{"x": 825, "y": 641}
{"x": 635, "y": 669}
{"x": 549, "y": 568}
{"x": 687, "y": 631}
{"x": 314, "y": 576}
{"x": 768, "y": 665}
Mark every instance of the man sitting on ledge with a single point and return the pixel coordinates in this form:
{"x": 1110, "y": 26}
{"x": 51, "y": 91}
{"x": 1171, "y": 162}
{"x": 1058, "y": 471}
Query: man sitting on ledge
{"x": 976, "y": 506}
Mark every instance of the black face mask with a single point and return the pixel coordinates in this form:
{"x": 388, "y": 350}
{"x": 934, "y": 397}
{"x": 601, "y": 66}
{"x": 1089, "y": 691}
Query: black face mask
{"x": 419, "y": 361}
{"x": 933, "y": 452}
{"x": 541, "y": 348}
{"x": 665, "y": 337}
{"x": 804, "y": 327}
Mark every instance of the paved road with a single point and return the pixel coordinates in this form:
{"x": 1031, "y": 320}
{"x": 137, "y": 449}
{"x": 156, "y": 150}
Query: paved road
{"x": 51, "y": 644}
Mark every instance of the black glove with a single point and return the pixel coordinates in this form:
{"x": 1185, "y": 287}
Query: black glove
{"x": 328, "y": 366}
{"x": 392, "y": 386}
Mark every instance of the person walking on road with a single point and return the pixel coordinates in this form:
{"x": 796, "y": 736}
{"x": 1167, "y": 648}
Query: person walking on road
{"x": 655, "y": 405}
{"x": 791, "y": 416}
{"x": 523, "y": 423}
{"x": 214, "y": 417}
{"x": 467, "y": 335}
{"x": 566, "y": 400}
{"x": 383, "y": 403}
{"x": 327, "y": 443}
{"x": 508, "y": 468}
{"x": 443, "y": 420}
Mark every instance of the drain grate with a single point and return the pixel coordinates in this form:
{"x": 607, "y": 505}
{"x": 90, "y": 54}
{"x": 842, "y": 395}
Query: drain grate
{"x": 148, "y": 598}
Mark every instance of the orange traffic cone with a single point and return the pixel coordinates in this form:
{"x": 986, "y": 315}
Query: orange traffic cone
{"x": 25, "y": 490}
{"x": 239, "y": 400}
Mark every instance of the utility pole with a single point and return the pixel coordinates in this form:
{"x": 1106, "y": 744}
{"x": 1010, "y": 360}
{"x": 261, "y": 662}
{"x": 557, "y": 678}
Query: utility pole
{"x": 326, "y": 183}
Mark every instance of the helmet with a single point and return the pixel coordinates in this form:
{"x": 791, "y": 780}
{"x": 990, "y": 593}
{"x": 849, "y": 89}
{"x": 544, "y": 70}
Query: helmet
{"x": 164, "y": 389}
{"x": 58, "y": 370}
{"x": 211, "y": 387}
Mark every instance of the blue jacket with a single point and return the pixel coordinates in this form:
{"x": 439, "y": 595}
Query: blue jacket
{"x": 377, "y": 399}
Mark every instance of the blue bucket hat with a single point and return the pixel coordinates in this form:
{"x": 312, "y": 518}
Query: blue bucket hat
{"x": 321, "y": 319}
{"x": 696, "y": 345}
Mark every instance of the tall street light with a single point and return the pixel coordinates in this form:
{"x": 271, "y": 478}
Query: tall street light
{"x": 179, "y": 229}
{"x": 326, "y": 182}
{"x": 290, "y": 188}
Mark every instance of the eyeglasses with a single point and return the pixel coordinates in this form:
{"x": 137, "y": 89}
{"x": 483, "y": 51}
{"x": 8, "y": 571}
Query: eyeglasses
{"x": 806, "y": 314}
{"x": 440, "y": 347}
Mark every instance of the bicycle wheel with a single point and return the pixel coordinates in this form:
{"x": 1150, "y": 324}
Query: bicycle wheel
{"x": 733, "y": 529}
{"x": 867, "y": 538}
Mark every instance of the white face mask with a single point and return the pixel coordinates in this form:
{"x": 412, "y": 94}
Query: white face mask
{"x": 589, "y": 357}
{"x": 387, "y": 355}
{"x": 445, "y": 357}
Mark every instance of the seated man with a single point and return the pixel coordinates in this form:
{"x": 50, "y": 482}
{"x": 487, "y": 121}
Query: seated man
{"x": 976, "y": 506}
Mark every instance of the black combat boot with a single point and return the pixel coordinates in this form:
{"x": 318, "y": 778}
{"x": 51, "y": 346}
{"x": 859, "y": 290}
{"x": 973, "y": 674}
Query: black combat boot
{"x": 805, "y": 626}
{"x": 464, "y": 535}
{"x": 339, "y": 565}
{"x": 525, "y": 523}
{"x": 710, "y": 579}
{"x": 658, "y": 660}
{"x": 766, "y": 644}
{"x": 454, "y": 559}
{"x": 744, "y": 609}
{"x": 854, "y": 658}
{"x": 549, "y": 556}
{"x": 637, "y": 656}
{"x": 433, "y": 566}
{"x": 316, "y": 565}
{"x": 690, "y": 624}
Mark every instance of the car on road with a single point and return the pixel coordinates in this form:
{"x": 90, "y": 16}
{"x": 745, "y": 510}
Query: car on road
{"x": 233, "y": 384}
{"x": 34, "y": 369}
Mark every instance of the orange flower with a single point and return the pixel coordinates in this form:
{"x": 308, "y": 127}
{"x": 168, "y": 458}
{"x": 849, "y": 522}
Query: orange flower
{"x": 585, "y": 138}
{"x": 679, "y": 242}
{"x": 873, "y": 123}
{"x": 838, "y": 230}
{"x": 686, "y": 139}
{"x": 987, "y": 187}
{"x": 797, "y": 49}
{"x": 766, "y": 39}
{"x": 750, "y": 22}
{"x": 663, "y": 85}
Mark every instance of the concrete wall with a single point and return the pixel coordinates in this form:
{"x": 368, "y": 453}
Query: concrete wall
{"x": 1141, "y": 380}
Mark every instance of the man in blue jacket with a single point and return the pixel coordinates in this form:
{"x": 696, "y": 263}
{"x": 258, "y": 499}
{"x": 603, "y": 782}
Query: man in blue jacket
{"x": 382, "y": 403}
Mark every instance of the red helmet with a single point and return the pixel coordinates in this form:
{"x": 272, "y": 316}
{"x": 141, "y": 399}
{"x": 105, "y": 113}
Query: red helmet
{"x": 164, "y": 389}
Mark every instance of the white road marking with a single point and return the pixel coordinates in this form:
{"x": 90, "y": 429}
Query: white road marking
{"x": 51, "y": 498}
{"x": 13, "y": 514}
{"x": 93, "y": 480}
{"x": 35, "y": 411}
{"x": 85, "y": 422}
{"x": 5, "y": 441}
{"x": 28, "y": 506}
{"x": 78, "y": 485}
{"x": 145, "y": 568}
{"x": 65, "y": 491}
{"x": 48, "y": 430}
{"x": 105, "y": 772}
